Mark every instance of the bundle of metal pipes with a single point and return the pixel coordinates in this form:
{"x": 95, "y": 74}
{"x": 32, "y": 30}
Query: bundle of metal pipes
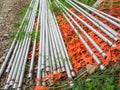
{"x": 53, "y": 60}
{"x": 16, "y": 58}
{"x": 74, "y": 20}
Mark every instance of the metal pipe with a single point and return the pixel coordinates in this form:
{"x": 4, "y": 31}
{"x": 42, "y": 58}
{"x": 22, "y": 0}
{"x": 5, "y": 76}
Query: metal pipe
{"x": 17, "y": 47}
{"x": 66, "y": 64}
{"x": 41, "y": 46}
{"x": 85, "y": 44}
{"x": 43, "y": 37}
{"x": 52, "y": 55}
{"x": 109, "y": 20}
{"x": 58, "y": 33}
{"x": 27, "y": 48}
{"x": 90, "y": 27}
{"x": 13, "y": 72}
{"x": 47, "y": 59}
{"x": 64, "y": 48}
{"x": 55, "y": 50}
{"x": 18, "y": 58}
{"x": 13, "y": 44}
{"x": 89, "y": 38}
{"x": 107, "y": 15}
{"x": 56, "y": 42}
{"x": 98, "y": 23}
{"x": 43, "y": 57}
{"x": 34, "y": 45}
{"x": 88, "y": 48}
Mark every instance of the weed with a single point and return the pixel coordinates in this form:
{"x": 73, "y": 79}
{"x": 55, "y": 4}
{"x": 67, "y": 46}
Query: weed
{"x": 88, "y": 2}
{"x": 17, "y": 25}
{"x": 21, "y": 35}
{"x": 53, "y": 7}
{"x": 26, "y": 22}
{"x": 22, "y": 13}
{"x": 102, "y": 80}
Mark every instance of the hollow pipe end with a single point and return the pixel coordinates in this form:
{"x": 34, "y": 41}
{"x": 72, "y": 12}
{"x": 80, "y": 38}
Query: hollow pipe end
{"x": 30, "y": 75}
{"x": 63, "y": 69}
{"x": 71, "y": 84}
{"x": 73, "y": 74}
{"x": 54, "y": 72}
{"x": 15, "y": 86}
{"x": 7, "y": 70}
{"x": 102, "y": 67}
{"x": 113, "y": 45}
{"x": 11, "y": 83}
{"x": 116, "y": 39}
{"x": 6, "y": 87}
{"x": 104, "y": 54}
{"x": 47, "y": 69}
{"x": 42, "y": 67}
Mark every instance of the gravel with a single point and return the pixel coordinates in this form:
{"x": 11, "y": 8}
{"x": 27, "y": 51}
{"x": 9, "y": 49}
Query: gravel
{"x": 8, "y": 16}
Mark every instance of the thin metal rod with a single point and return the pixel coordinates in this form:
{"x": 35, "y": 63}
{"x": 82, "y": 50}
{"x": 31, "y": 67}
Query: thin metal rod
{"x": 19, "y": 56}
{"x": 43, "y": 37}
{"x": 34, "y": 45}
{"x": 85, "y": 44}
{"x": 63, "y": 45}
{"x": 17, "y": 47}
{"x": 56, "y": 42}
{"x": 55, "y": 50}
{"x": 52, "y": 55}
{"x": 107, "y": 15}
{"x": 90, "y": 27}
{"x": 58, "y": 33}
{"x": 92, "y": 10}
{"x": 41, "y": 46}
{"x": 65, "y": 62}
{"x": 27, "y": 46}
{"x": 13, "y": 66}
{"x": 87, "y": 47}
{"x": 13, "y": 44}
{"x": 89, "y": 38}
{"x": 47, "y": 59}
{"x": 98, "y": 23}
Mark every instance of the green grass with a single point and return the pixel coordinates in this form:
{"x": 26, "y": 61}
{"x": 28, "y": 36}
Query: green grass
{"x": 22, "y": 13}
{"x": 105, "y": 81}
{"x": 22, "y": 33}
{"x": 17, "y": 25}
{"x": 101, "y": 80}
{"x": 88, "y": 2}
{"x": 52, "y": 6}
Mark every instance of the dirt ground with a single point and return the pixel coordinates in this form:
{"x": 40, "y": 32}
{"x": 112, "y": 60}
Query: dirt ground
{"x": 8, "y": 16}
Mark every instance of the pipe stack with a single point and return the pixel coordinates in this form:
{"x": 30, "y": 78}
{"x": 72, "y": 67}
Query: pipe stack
{"x": 53, "y": 59}
{"x": 60, "y": 57}
{"x": 91, "y": 36}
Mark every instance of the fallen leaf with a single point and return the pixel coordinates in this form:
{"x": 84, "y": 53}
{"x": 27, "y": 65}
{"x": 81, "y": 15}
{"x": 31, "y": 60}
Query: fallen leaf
{"x": 91, "y": 68}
